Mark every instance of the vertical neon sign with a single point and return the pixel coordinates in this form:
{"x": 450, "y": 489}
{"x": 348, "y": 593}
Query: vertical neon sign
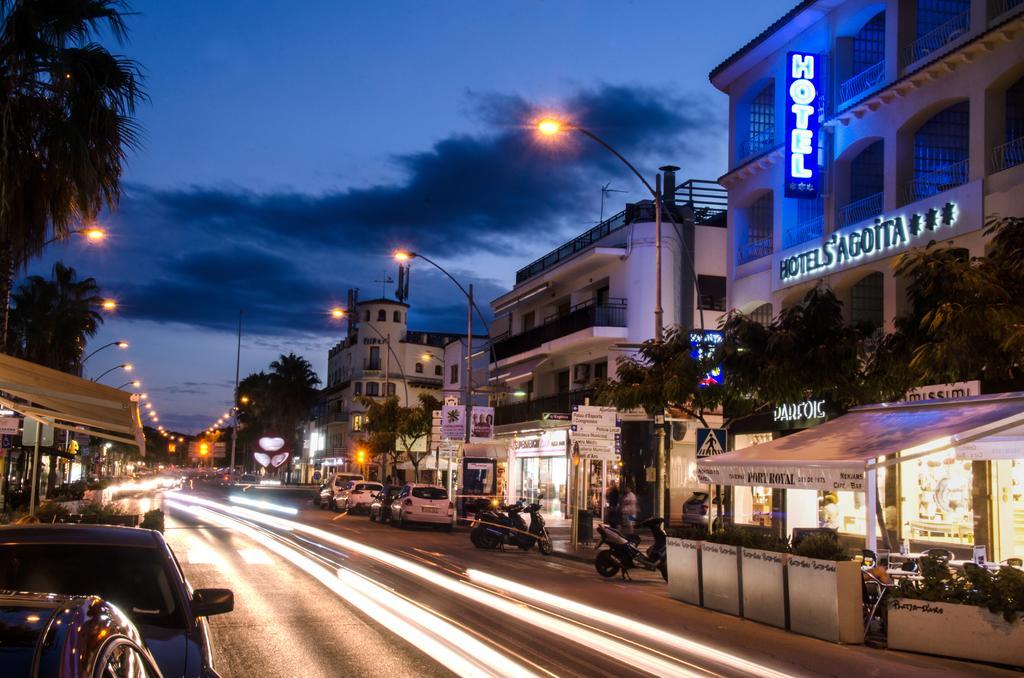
{"x": 802, "y": 96}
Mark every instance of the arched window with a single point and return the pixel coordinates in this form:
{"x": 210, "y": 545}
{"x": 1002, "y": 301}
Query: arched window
{"x": 419, "y": 368}
{"x": 941, "y": 148}
{"x": 382, "y": 315}
{"x": 866, "y": 301}
{"x": 438, "y": 371}
{"x": 1011, "y": 152}
{"x": 397, "y": 316}
{"x": 866, "y": 186}
{"x": 762, "y": 314}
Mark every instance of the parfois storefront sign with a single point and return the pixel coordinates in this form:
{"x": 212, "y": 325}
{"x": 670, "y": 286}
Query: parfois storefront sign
{"x": 799, "y": 415}
{"x": 794, "y": 477}
{"x": 849, "y": 246}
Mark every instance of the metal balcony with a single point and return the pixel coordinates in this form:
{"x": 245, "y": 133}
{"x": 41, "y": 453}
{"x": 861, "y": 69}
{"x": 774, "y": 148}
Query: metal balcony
{"x": 932, "y": 42}
{"x": 580, "y": 317}
{"x": 754, "y": 250}
{"x": 999, "y": 10}
{"x": 532, "y": 410}
{"x": 865, "y": 81}
{"x": 859, "y": 210}
{"x": 1008, "y": 155}
{"x": 371, "y": 365}
{"x": 808, "y": 230}
{"x": 942, "y": 179}
{"x": 572, "y": 248}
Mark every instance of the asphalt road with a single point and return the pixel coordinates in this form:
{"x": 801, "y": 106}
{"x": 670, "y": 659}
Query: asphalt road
{"x": 320, "y": 593}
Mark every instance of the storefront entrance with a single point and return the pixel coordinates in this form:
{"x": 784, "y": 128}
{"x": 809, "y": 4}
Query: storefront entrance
{"x": 543, "y": 479}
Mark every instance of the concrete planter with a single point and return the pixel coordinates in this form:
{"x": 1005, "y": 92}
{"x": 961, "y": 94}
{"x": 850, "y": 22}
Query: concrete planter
{"x": 825, "y": 599}
{"x": 962, "y": 631}
{"x": 683, "y": 569}
{"x": 764, "y": 586}
{"x": 720, "y": 577}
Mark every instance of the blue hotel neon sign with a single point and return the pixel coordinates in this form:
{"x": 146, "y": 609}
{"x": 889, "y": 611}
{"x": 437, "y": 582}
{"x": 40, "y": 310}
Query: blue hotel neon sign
{"x": 803, "y": 94}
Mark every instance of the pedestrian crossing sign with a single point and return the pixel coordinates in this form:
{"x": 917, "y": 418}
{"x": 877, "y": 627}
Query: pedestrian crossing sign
{"x": 710, "y": 441}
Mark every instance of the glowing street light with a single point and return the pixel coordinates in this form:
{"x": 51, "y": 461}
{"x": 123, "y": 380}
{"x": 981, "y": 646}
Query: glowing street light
{"x": 550, "y": 126}
{"x": 119, "y": 344}
{"x": 337, "y": 313}
{"x": 108, "y": 305}
{"x": 127, "y": 367}
{"x": 94, "y": 234}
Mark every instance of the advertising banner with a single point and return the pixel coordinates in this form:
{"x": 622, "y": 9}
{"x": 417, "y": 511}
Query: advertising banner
{"x": 482, "y": 424}
{"x": 9, "y": 425}
{"x": 453, "y": 422}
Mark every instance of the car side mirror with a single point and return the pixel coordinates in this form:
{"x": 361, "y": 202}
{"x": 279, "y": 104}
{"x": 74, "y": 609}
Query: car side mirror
{"x": 208, "y": 602}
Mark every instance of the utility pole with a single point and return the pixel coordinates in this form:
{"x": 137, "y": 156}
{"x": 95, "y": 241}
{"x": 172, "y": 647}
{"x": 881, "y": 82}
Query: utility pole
{"x": 659, "y": 420}
{"x": 234, "y": 395}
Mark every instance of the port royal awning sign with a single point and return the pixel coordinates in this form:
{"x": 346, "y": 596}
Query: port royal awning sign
{"x": 885, "y": 236}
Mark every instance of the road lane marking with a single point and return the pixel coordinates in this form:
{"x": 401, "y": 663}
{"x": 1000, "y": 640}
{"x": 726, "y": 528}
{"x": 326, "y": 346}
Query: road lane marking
{"x": 204, "y": 555}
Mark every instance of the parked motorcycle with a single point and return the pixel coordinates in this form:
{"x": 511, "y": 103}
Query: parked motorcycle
{"x": 494, "y": 528}
{"x": 623, "y": 554}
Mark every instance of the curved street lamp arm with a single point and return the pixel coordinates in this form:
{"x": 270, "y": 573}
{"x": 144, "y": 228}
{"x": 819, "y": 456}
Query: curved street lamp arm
{"x": 115, "y": 367}
{"x": 457, "y": 284}
{"x": 618, "y": 155}
{"x": 113, "y": 343}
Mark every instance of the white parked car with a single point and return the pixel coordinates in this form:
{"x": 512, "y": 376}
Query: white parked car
{"x": 360, "y": 496}
{"x": 332, "y": 491}
{"x": 419, "y": 503}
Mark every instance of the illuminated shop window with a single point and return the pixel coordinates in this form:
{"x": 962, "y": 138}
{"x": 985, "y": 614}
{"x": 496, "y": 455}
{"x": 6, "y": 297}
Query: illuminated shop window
{"x": 1008, "y": 508}
{"x": 937, "y": 501}
{"x": 752, "y": 505}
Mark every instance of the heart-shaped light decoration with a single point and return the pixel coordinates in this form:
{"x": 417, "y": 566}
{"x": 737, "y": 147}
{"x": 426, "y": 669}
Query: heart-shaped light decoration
{"x": 279, "y": 459}
{"x": 261, "y": 459}
{"x": 271, "y": 444}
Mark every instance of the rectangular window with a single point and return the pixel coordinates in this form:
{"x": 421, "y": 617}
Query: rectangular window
{"x": 938, "y": 503}
{"x": 602, "y": 295}
{"x": 453, "y": 374}
{"x": 391, "y": 388}
{"x": 601, "y": 370}
{"x": 358, "y": 421}
{"x": 562, "y": 382}
{"x": 712, "y": 292}
{"x": 529, "y": 320}
{"x": 372, "y": 388}
{"x": 358, "y": 389}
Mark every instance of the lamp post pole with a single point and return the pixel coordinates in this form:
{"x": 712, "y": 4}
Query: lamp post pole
{"x": 234, "y": 409}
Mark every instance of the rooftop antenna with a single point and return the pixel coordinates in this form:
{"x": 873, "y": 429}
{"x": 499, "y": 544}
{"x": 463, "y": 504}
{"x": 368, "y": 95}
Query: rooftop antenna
{"x": 384, "y": 284}
{"x": 605, "y": 191}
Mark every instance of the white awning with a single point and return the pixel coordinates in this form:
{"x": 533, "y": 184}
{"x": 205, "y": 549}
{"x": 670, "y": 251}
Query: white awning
{"x": 835, "y": 455}
{"x": 523, "y": 371}
{"x": 65, "y": 401}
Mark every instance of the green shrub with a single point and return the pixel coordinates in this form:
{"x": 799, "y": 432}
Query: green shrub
{"x": 1001, "y": 593}
{"x": 692, "y": 532}
{"x": 101, "y": 510}
{"x": 821, "y": 545}
{"x": 153, "y": 520}
{"x": 751, "y": 538}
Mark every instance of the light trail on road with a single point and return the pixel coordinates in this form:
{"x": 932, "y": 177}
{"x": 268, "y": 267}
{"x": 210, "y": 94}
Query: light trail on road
{"x": 448, "y": 645}
{"x": 595, "y": 639}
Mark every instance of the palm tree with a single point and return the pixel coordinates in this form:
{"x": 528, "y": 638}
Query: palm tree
{"x": 52, "y": 319}
{"x": 292, "y": 390}
{"x": 66, "y": 123}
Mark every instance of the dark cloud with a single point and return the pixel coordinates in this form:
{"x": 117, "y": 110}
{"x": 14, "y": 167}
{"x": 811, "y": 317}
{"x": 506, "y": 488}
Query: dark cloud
{"x": 282, "y": 256}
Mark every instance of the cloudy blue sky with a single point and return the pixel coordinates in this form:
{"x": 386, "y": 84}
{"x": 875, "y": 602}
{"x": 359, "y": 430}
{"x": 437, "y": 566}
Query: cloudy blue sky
{"x": 289, "y": 147}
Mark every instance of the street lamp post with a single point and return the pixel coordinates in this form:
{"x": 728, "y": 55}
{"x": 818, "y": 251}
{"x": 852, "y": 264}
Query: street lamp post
{"x": 135, "y": 383}
{"x": 119, "y": 344}
{"x": 551, "y": 127}
{"x": 468, "y": 387}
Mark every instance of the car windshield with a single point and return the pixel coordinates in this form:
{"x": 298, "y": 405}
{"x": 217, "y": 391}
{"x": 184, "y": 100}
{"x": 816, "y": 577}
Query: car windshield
{"x": 429, "y": 493}
{"x": 133, "y": 578}
{"x": 368, "y": 486}
{"x": 20, "y": 627}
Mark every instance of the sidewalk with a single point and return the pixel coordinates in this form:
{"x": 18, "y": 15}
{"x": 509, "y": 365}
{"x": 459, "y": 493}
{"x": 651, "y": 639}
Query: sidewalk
{"x": 560, "y": 539}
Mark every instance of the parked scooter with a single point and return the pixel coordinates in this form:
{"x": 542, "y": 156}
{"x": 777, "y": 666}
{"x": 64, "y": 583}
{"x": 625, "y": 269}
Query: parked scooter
{"x": 493, "y": 528}
{"x": 623, "y": 554}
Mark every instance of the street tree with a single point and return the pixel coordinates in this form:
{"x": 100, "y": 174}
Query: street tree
{"x": 67, "y": 109}
{"x": 382, "y": 421}
{"x": 414, "y": 425}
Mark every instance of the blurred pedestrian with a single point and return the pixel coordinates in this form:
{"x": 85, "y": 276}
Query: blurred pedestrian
{"x": 628, "y": 507}
{"x": 612, "y": 499}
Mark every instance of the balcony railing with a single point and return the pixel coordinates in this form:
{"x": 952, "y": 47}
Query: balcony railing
{"x": 580, "y": 317}
{"x": 935, "y": 40}
{"x": 859, "y": 210}
{"x": 850, "y": 90}
{"x": 808, "y": 230}
{"x": 371, "y": 364}
{"x": 757, "y": 144}
{"x": 1009, "y": 154}
{"x": 754, "y": 250}
{"x": 532, "y": 410}
{"x": 572, "y": 248}
{"x": 998, "y": 9}
{"x": 944, "y": 178}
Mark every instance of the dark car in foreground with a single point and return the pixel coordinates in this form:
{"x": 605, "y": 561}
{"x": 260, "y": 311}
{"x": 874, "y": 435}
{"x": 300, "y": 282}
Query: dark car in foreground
{"x": 132, "y": 568}
{"x": 43, "y": 635}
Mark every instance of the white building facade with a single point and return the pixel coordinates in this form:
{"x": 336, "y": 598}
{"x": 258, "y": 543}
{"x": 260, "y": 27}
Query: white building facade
{"x": 858, "y": 130}
{"x": 572, "y": 315}
{"x": 379, "y": 358}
